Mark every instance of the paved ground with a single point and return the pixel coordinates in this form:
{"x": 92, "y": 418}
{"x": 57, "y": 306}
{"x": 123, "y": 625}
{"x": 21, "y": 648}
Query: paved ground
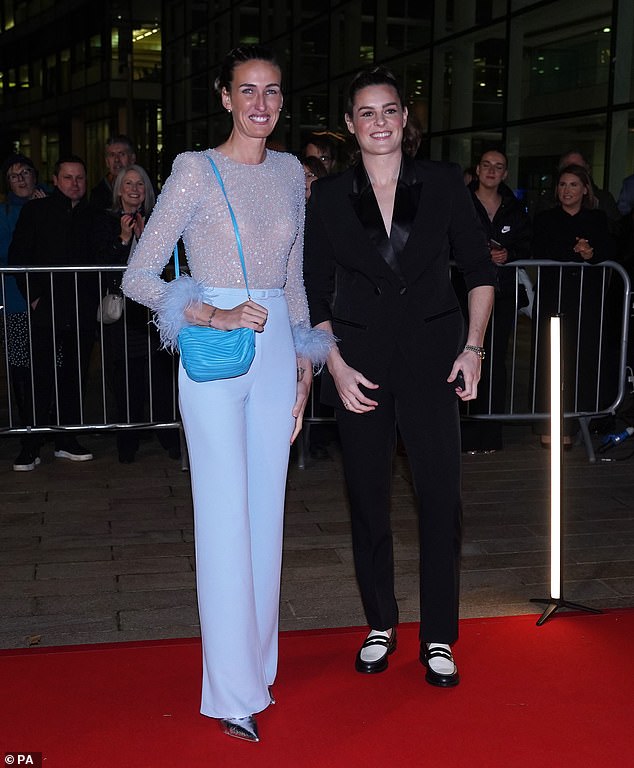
{"x": 101, "y": 551}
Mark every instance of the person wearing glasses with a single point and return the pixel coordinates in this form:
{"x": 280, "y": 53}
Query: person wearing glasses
{"x": 21, "y": 179}
{"x": 323, "y": 146}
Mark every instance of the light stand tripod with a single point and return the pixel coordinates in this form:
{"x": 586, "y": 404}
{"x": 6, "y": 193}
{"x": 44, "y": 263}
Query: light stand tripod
{"x": 556, "y": 599}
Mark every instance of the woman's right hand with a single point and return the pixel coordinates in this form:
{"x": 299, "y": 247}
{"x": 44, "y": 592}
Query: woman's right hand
{"x": 246, "y": 315}
{"x": 347, "y": 381}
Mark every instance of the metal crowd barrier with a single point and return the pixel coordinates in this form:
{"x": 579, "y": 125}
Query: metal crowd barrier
{"x": 119, "y": 379}
{"x": 598, "y": 302}
{"x": 123, "y": 381}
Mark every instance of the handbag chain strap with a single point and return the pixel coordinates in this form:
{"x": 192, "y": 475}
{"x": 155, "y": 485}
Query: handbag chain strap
{"x": 235, "y": 229}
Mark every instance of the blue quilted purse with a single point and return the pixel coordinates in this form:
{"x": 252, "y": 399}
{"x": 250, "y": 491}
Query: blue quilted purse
{"x": 208, "y": 354}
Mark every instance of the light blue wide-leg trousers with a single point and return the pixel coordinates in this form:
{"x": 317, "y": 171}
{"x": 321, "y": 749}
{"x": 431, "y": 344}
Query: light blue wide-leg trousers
{"x": 238, "y": 438}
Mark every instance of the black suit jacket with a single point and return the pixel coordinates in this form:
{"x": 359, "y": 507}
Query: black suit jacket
{"x": 381, "y": 293}
{"x": 51, "y": 232}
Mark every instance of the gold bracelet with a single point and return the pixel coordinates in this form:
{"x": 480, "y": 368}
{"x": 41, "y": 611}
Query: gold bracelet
{"x": 211, "y": 316}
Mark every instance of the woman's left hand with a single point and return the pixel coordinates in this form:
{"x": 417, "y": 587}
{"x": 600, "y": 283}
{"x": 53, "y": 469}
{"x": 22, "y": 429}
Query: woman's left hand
{"x": 304, "y": 381}
{"x": 584, "y": 249}
{"x": 469, "y": 363}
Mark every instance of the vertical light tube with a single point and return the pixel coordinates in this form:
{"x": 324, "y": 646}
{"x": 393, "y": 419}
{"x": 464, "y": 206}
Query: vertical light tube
{"x": 555, "y": 457}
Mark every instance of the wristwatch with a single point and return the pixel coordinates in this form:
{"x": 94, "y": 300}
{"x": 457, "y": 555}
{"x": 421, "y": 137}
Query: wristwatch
{"x": 479, "y": 351}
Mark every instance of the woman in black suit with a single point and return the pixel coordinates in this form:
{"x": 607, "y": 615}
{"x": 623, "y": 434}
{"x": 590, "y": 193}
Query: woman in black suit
{"x": 401, "y": 357}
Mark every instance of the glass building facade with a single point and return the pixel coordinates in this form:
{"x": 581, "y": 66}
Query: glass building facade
{"x": 73, "y": 73}
{"x": 538, "y": 76}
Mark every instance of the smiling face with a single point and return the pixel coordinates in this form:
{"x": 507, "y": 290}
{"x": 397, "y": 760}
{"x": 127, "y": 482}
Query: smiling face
{"x": 377, "y": 120}
{"x": 255, "y": 99}
{"x": 132, "y": 191}
{"x": 571, "y": 191}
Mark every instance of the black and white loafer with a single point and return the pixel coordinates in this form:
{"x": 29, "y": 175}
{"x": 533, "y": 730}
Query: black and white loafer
{"x": 372, "y": 656}
{"x": 441, "y": 667}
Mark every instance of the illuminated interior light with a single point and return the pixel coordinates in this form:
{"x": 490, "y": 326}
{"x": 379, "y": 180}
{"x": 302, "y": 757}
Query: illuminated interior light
{"x": 555, "y": 458}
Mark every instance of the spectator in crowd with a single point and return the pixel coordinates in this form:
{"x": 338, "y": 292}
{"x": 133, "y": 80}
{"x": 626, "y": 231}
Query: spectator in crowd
{"x": 323, "y": 145}
{"x": 574, "y": 231}
{"x": 62, "y": 229}
{"x": 625, "y": 202}
{"x": 383, "y": 233}
{"x": 138, "y": 377}
{"x": 120, "y": 153}
{"x": 507, "y": 227}
{"x": 602, "y": 198}
{"x": 313, "y": 169}
{"x": 22, "y": 183}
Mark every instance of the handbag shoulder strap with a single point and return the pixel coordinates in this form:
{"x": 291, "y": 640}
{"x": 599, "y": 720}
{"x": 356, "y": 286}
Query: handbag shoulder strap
{"x": 235, "y": 229}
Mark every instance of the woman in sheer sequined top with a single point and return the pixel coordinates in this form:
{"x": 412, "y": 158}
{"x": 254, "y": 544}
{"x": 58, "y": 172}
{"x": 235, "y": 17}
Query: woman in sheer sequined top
{"x": 238, "y": 430}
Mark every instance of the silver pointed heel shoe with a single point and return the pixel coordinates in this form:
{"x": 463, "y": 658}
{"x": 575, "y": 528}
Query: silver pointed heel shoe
{"x": 244, "y": 728}
{"x": 271, "y": 697}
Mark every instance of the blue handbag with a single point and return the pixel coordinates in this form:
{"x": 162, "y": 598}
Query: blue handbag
{"x": 208, "y": 354}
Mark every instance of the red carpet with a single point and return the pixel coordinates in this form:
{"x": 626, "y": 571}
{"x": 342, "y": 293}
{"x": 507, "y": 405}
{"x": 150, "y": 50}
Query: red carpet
{"x": 551, "y": 697}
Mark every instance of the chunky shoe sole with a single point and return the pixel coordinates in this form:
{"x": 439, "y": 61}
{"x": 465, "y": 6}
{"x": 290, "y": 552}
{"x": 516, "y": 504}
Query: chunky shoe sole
{"x": 27, "y": 467}
{"x": 435, "y": 678}
{"x": 380, "y": 665}
{"x": 73, "y": 456}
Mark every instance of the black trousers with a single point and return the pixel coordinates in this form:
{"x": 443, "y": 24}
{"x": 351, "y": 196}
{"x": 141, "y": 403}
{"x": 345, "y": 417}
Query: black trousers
{"x": 60, "y": 363}
{"x": 430, "y": 431}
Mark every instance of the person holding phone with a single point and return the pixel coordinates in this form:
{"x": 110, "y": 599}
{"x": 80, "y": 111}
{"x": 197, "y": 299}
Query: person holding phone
{"x": 508, "y": 231}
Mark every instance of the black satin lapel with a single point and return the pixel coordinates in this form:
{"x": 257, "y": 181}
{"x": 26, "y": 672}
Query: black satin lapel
{"x": 369, "y": 214}
{"x": 406, "y": 202}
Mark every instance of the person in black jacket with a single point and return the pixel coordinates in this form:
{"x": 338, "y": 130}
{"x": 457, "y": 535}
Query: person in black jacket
{"x": 383, "y": 233}
{"x": 508, "y": 230}
{"x": 138, "y": 371}
{"x": 60, "y": 230}
{"x": 120, "y": 153}
{"x": 574, "y": 231}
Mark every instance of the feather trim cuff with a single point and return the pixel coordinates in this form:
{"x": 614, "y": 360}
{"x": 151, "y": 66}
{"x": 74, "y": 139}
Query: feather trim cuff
{"x": 313, "y": 343}
{"x": 178, "y": 296}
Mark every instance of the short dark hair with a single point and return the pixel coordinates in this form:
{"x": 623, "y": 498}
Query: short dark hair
{"x": 322, "y": 140}
{"x": 239, "y": 55}
{"x": 68, "y": 159}
{"x": 494, "y": 148}
{"x": 372, "y": 76}
{"x": 121, "y": 138}
{"x": 315, "y": 166}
